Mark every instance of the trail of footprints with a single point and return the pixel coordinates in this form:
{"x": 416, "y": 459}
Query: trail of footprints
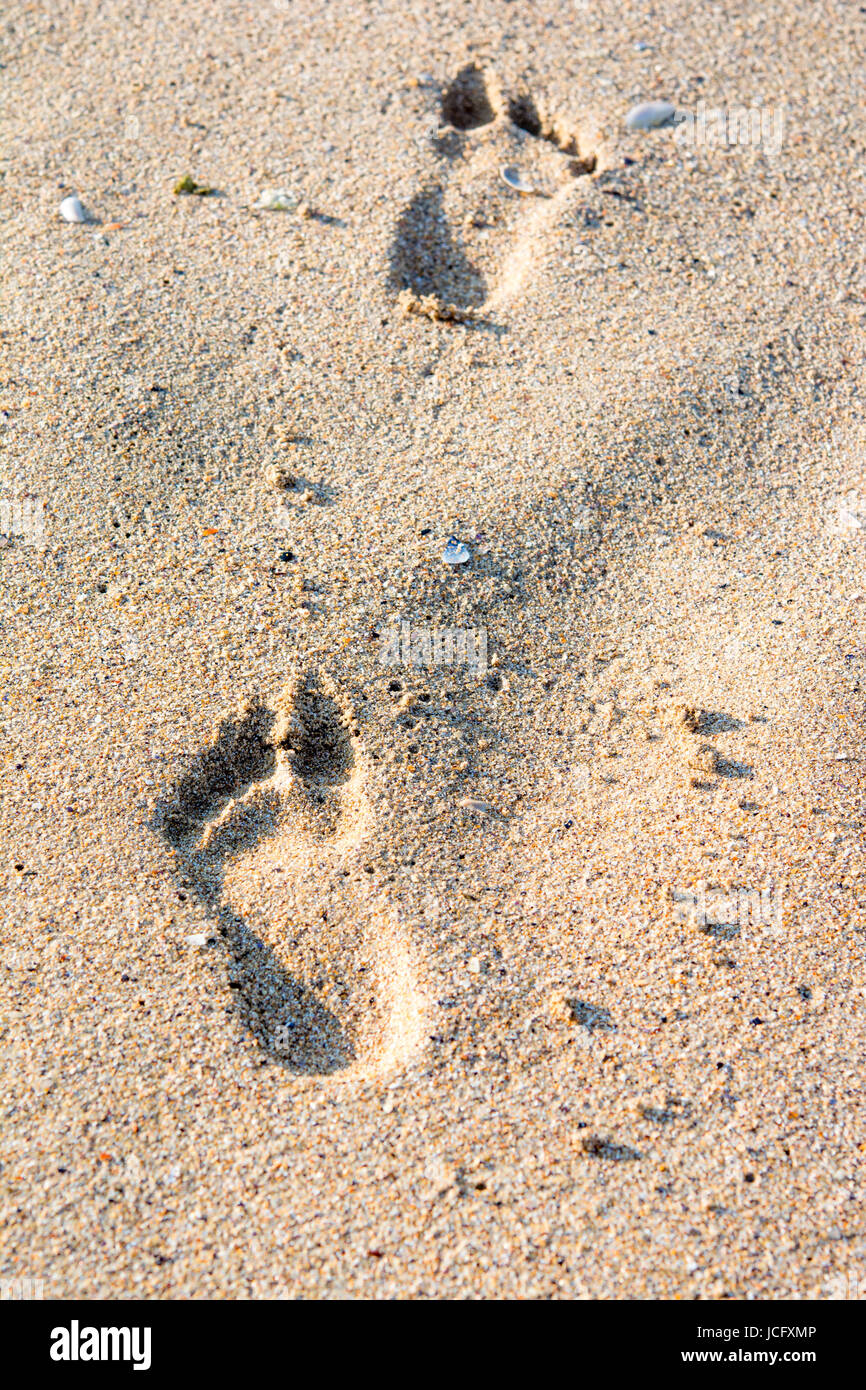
{"x": 465, "y": 242}
{"x": 269, "y": 826}
{"x": 269, "y": 823}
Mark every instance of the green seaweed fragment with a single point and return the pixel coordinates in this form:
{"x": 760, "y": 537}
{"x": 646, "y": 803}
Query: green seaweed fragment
{"x": 188, "y": 185}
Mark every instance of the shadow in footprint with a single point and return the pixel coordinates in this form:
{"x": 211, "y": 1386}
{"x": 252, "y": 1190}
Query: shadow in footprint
{"x": 673, "y": 1109}
{"x": 717, "y": 722}
{"x": 595, "y": 1146}
{"x": 322, "y": 756}
{"x": 426, "y": 259}
{"x": 465, "y": 102}
{"x": 523, "y": 112}
{"x": 591, "y": 1016}
{"x": 721, "y": 931}
{"x": 220, "y": 808}
{"x": 727, "y": 767}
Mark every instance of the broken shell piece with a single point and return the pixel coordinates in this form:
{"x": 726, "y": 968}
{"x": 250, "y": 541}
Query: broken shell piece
{"x": 515, "y": 180}
{"x": 455, "y": 552}
{"x": 72, "y": 210}
{"x": 277, "y": 200}
{"x": 649, "y": 115}
{"x": 483, "y": 808}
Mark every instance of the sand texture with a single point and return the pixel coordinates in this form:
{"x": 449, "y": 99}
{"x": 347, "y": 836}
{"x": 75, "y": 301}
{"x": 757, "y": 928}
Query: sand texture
{"x": 330, "y": 968}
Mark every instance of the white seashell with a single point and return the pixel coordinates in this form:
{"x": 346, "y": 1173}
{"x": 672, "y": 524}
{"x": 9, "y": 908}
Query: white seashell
{"x": 72, "y": 210}
{"x": 473, "y": 804}
{"x": 455, "y": 552}
{"x": 277, "y": 200}
{"x": 198, "y": 939}
{"x": 649, "y": 115}
{"x": 515, "y": 180}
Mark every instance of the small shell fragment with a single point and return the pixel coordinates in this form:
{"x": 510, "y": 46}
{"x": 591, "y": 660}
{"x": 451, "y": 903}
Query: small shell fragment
{"x": 277, "y": 200}
{"x": 72, "y": 210}
{"x": 650, "y": 114}
{"x": 515, "y": 180}
{"x": 483, "y": 808}
{"x": 455, "y": 552}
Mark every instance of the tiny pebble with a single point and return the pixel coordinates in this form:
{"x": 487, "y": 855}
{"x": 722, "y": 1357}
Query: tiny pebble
{"x": 72, "y": 210}
{"x": 650, "y": 114}
{"x": 277, "y": 200}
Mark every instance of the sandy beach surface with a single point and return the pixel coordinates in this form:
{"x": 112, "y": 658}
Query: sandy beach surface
{"x": 345, "y": 953}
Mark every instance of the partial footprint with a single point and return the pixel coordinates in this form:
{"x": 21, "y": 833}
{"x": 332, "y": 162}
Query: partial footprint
{"x": 427, "y": 259}
{"x": 269, "y": 827}
{"x": 466, "y": 242}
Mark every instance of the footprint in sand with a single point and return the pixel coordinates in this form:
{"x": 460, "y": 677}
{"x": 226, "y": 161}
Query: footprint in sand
{"x": 465, "y": 242}
{"x": 269, "y": 826}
